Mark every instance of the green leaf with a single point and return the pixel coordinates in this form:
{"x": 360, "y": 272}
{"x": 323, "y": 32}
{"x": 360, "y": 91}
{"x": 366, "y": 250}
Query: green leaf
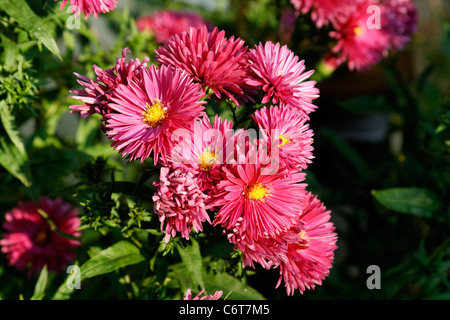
{"x": 231, "y": 286}
{"x": 120, "y": 254}
{"x": 41, "y": 284}
{"x": 22, "y": 13}
{"x": 192, "y": 260}
{"x": 9, "y": 124}
{"x": 13, "y": 156}
{"x": 14, "y": 161}
{"x": 416, "y": 201}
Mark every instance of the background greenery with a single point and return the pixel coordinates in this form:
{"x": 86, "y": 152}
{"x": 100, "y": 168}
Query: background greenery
{"x": 382, "y": 151}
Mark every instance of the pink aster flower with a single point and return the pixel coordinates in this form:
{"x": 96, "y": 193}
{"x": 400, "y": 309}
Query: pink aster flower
{"x": 292, "y": 132}
{"x": 146, "y": 112}
{"x": 215, "y": 296}
{"x": 322, "y": 11}
{"x": 97, "y": 93}
{"x": 309, "y": 261}
{"x": 204, "y": 150}
{"x": 30, "y": 241}
{"x": 179, "y": 203}
{"x": 399, "y": 19}
{"x": 357, "y": 45}
{"x": 211, "y": 59}
{"x": 166, "y": 23}
{"x": 88, "y": 7}
{"x": 267, "y": 204}
{"x": 282, "y": 77}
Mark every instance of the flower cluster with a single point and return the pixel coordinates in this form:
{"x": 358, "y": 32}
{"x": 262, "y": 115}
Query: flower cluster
{"x": 364, "y": 30}
{"x": 249, "y": 182}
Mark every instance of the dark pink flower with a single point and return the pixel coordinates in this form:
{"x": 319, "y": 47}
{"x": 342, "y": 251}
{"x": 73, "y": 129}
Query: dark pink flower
{"x": 166, "y": 23}
{"x": 358, "y": 45}
{"x": 322, "y": 11}
{"x": 148, "y": 110}
{"x": 215, "y": 296}
{"x": 97, "y": 93}
{"x": 280, "y": 74}
{"x": 211, "y": 59}
{"x": 88, "y": 7}
{"x": 309, "y": 261}
{"x": 29, "y": 240}
{"x": 399, "y": 19}
{"x": 179, "y": 203}
{"x": 292, "y": 134}
{"x": 263, "y": 204}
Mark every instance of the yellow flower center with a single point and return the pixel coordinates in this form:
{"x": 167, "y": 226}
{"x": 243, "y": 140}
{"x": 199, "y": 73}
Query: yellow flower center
{"x": 283, "y": 141}
{"x": 154, "y": 114}
{"x": 303, "y": 244}
{"x": 358, "y": 31}
{"x": 207, "y": 160}
{"x": 256, "y": 192}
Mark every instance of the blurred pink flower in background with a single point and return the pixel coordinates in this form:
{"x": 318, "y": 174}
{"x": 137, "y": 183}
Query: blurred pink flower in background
{"x": 322, "y": 11}
{"x": 88, "y": 7}
{"x": 399, "y": 18}
{"x": 29, "y": 240}
{"x": 358, "y": 45}
{"x": 166, "y": 23}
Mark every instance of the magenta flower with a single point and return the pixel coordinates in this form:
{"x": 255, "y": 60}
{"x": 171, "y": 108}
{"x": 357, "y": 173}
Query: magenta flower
{"x": 211, "y": 59}
{"x": 281, "y": 76}
{"x": 179, "y": 203}
{"x": 293, "y": 136}
{"x": 309, "y": 261}
{"x": 262, "y": 204}
{"x": 204, "y": 151}
{"x": 29, "y": 240}
{"x": 166, "y": 23}
{"x": 322, "y": 11}
{"x": 215, "y": 296}
{"x": 97, "y": 93}
{"x": 357, "y": 45}
{"x": 88, "y": 7}
{"x": 399, "y": 19}
{"x": 147, "y": 112}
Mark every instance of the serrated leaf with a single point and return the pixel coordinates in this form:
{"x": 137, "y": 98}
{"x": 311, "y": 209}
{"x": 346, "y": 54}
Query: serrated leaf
{"x": 24, "y": 15}
{"x": 192, "y": 260}
{"x": 416, "y": 201}
{"x": 41, "y": 285}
